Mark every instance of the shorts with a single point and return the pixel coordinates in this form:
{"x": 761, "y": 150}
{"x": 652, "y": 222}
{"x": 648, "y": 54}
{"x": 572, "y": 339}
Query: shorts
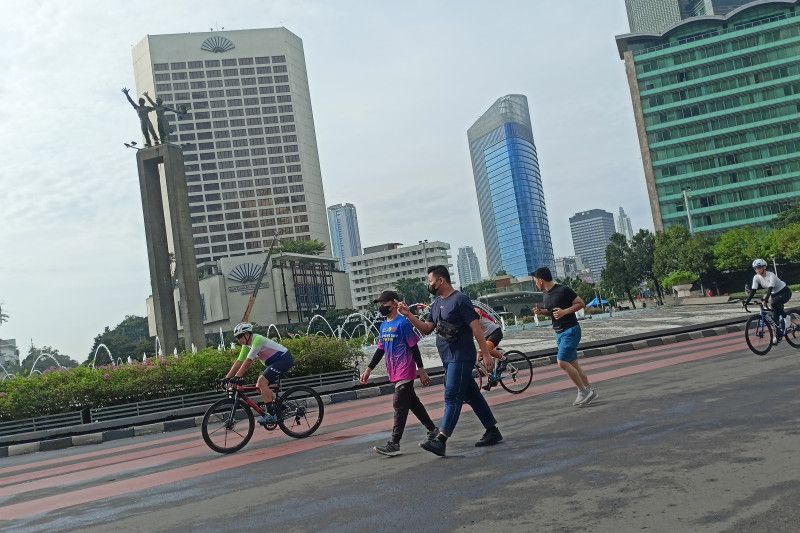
{"x": 495, "y": 337}
{"x": 567, "y": 342}
{"x": 278, "y": 366}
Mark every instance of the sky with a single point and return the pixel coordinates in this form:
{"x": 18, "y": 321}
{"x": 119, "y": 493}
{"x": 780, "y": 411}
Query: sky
{"x": 394, "y": 88}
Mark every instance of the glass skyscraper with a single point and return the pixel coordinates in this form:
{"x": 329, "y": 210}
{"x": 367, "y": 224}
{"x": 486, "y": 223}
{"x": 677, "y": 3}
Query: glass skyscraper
{"x": 345, "y": 237}
{"x": 656, "y": 16}
{"x": 516, "y": 232}
{"x": 716, "y": 103}
{"x": 469, "y": 270}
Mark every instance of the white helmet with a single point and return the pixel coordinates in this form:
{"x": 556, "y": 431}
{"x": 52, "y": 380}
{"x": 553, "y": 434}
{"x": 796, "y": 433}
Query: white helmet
{"x": 242, "y": 327}
{"x": 759, "y": 263}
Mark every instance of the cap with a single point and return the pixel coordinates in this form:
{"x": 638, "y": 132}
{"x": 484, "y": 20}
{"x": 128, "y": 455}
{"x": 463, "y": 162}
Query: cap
{"x": 386, "y": 296}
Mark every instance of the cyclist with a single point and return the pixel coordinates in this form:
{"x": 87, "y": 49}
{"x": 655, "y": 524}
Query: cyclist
{"x": 493, "y": 334}
{"x": 777, "y": 289}
{"x": 275, "y": 356}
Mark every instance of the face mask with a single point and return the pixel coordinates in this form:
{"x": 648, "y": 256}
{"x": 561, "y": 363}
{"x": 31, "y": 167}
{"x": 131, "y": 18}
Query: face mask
{"x": 432, "y": 288}
{"x": 385, "y": 310}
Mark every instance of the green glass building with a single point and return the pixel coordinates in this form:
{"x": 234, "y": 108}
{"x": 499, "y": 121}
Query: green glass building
{"x": 717, "y": 107}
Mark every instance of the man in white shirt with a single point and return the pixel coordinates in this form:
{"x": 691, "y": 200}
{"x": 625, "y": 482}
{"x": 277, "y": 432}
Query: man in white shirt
{"x": 777, "y": 289}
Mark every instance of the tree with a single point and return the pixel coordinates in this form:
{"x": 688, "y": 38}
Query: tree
{"x": 676, "y": 250}
{"x": 643, "y": 246}
{"x": 735, "y": 249}
{"x": 586, "y": 291}
{"x": 786, "y": 242}
{"x": 474, "y": 290}
{"x": 46, "y": 362}
{"x": 130, "y": 338}
{"x": 619, "y": 273}
{"x": 412, "y": 290}
{"x": 501, "y": 273}
{"x": 312, "y": 247}
{"x": 791, "y": 215}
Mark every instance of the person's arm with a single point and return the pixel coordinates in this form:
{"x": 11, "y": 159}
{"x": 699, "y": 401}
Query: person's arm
{"x": 577, "y": 305}
{"x": 128, "y": 96}
{"x": 477, "y": 332}
{"x": 753, "y": 289}
{"x": 244, "y": 367}
{"x": 766, "y": 297}
{"x": 426, "y": 328}
{"x": 541, "y": 311}
{"x": 376, "y": 358}
{"x": 421, "y": 372}
{"x": 148, "y": 98}
{"x": 243, "y": 351}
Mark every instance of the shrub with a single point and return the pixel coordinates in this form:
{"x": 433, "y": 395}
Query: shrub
{"x": 678, "y": 277}
{"x": 62, "y": 390}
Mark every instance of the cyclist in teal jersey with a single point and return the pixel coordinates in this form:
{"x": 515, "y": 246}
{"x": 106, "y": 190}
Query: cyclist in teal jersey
{"x": 275, "y": 356}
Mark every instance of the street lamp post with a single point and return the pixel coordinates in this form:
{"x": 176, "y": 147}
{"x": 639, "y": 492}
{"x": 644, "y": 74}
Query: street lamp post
{"x": 688, "y": 209}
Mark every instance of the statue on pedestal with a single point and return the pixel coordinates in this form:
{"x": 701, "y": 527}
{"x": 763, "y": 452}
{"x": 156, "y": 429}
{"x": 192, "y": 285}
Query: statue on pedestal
{"x": 144, "y": 120}
{"x": 161, "y": 119}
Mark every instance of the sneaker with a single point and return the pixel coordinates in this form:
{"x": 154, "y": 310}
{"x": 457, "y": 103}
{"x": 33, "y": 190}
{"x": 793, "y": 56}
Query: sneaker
{"x": 580, "y": 398}
{"x": 432, "y": 434}
{"x": 391, "y": 449}
{"x": 502, "y": 364}
{"x": 435, "y": 446}
{"x": 490, "y": 438}
{"x": 267, "y": 419}
{"x": 591, "y": 395}
{"x": 491, "y": 382}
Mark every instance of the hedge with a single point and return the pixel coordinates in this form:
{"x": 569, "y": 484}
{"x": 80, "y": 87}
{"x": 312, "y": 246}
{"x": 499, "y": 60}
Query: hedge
{"x": 63, "y": 390}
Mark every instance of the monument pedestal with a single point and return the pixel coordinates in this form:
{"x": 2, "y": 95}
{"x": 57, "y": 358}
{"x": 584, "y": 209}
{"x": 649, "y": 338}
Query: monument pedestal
{"x": 157, "y": 219}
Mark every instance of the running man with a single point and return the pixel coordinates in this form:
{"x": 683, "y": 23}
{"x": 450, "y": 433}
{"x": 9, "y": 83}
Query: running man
{"x": 776, "y": 288}
{"x": 398, "y": 341}
{"x": 455, "y": 322}
{"x": 561, "y": 303}
{"x": 275, "y": 356}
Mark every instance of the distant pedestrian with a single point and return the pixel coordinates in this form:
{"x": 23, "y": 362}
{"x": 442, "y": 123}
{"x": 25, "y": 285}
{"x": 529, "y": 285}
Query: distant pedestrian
{"x": 456, "y": 324}
{"x": 398, "y": 342}
{"x": 561, "y": 303}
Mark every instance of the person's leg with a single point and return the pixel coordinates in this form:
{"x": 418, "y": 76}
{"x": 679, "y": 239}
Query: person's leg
{"x": 263, "y": 386}
{"x": 401, "y": 404}
{"x": 152, "y": 131}
{"x": 565, "y": 356}
{"x": 778, "y": 300}
{"x": 419, "y": 410}
{"x": 581, "y": 374}
{"x": 472, "y": 395}
{"x": 145, "y": 133}
{"x": 453, "y": 395}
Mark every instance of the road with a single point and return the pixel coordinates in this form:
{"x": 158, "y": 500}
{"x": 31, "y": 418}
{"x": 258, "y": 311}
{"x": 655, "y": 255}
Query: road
{"x": 700, "y": 435}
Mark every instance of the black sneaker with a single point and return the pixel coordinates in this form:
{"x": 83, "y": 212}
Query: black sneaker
{"x": 391, "y": 449}
{"x": 490, "y": 438}
{"x": 434, "y": 446}
{"x": 432, "y": 434}
{"x": 489, "y": 384}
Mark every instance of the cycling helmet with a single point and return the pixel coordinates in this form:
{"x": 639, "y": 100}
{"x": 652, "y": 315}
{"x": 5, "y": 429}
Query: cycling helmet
{"x": 242, "y": 327}
{"x": 759, "y": 263}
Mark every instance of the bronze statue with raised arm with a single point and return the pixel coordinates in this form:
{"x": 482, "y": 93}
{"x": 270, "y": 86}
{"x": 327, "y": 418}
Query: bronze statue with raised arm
{"x": 144, "y": 120}
{"x": 161, "y": 119}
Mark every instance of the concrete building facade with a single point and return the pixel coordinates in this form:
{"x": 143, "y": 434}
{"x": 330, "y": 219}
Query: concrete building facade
{"x": 505, "y": 165}
{"x": 248, "y": 137}
{"x": 9, "y": 354}
{"x": 469, "y": 270}
{"x": 656, "y": 16}
{"x": 568, "y": 267}
{"x": 716, "y": 101}
{"x": 380, "y": 267}
{"x": 345, "y": 236}
{"x": 624, "y": 226}
{"x": 591, "y": 233}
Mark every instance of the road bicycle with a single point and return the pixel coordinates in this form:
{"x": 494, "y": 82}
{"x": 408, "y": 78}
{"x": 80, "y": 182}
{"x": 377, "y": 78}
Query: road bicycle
{"x": 514, "y": 373}
{"x": 229, "y": 423}
{"x": 760, "y": 330}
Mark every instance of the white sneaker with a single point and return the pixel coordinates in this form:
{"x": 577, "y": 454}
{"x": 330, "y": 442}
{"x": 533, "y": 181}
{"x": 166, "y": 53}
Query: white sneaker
{"x": 580, "y": 398}
{"x": 589, "y": 398}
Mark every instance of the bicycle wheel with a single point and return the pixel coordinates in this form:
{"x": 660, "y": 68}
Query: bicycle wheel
{"x": 300, "y": 411}
{"x": 793, "y": 330}
{"x": 758, "y": 334}
{"x": 517, "y": 376}
{"x": 220, "y": 423}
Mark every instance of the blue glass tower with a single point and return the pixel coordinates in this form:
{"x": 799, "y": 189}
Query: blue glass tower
{"x": 345, "y": 237}
{"x": 516, "y": 232}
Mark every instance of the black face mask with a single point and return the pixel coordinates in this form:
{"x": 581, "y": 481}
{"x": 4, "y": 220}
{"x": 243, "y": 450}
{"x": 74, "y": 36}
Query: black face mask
{"x": 432, "y": 289}
{"x": 385, "y": 310}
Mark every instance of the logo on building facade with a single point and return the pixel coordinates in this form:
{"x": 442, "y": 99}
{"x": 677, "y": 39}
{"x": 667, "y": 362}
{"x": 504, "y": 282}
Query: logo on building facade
{"x": 246, "y": 275}
{"x": 217, "y": 44}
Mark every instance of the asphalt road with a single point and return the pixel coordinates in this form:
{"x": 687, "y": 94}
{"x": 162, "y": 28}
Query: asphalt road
{"x": 696, "y": 436}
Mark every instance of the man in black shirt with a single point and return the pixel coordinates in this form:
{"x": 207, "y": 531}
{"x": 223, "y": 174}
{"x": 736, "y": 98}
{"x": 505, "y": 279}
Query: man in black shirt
{"x": 561, "y": 303}
{"x": 456, "y": 323}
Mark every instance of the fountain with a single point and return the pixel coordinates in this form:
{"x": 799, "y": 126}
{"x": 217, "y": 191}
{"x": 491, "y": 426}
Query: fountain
{"x": 7, "y": 375}
{"x": 194, "y": 348}
{"x": 273, "y": 326}
{"x": 221, "y": 345}
{"x": 158, "y": 347}
{"x": 108, "y": 352}
{"x": 175, "y": 352}
{"x": 315, "y": 317}
{"x": 33, "y": 366}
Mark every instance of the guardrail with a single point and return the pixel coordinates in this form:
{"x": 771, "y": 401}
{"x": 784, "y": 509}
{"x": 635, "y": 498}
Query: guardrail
{"x": 39, "y": 423}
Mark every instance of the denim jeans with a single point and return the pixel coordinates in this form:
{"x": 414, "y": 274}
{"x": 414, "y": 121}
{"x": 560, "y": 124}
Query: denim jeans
{"x": 460, "y": 388}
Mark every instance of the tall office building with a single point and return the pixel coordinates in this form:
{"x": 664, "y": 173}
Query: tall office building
{"x": 591, "y": 233}
{"x": 656, "y": 16}
{"x": 380, "y": 267}
{"x": 716, "y": 101}
{"x": 624, "y": 225}
{"x": 345, "y": 238}
{"x": 516, "y": 232}
{"x": 250, "y": 149}
{"x": 469, "y": 271}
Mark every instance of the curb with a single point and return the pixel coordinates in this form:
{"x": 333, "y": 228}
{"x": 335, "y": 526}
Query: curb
{"x": 374, "y": 389}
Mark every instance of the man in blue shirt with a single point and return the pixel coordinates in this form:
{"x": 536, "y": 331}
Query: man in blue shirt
{"x": 456, "y": 323}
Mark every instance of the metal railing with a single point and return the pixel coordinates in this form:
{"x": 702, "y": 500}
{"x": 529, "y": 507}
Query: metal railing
{"x": 40, "y": 423}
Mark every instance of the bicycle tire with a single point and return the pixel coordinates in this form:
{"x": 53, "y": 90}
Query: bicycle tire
{"x": 793, "y": 334}
{"x": 753, "y": 323}
{"x": 227, "y": 409}
{"x": 291, "y": 418}
{"x": 519, "y": 363}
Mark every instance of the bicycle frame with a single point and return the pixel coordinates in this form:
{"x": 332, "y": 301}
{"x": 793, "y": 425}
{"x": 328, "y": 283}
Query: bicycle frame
{"x": 240, "y": 392}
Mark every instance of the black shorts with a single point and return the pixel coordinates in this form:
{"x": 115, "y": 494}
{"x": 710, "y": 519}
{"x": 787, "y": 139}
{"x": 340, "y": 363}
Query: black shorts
{"x": 277, "y": 367}
{"x": 495, "y": 337}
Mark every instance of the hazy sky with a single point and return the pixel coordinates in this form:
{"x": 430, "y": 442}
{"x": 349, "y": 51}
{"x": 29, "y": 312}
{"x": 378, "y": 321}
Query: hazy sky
{"x": 394, "y": 87}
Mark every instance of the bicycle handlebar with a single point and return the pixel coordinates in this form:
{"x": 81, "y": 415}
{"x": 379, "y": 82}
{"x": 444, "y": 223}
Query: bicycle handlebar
{"x": 761, "y": 304}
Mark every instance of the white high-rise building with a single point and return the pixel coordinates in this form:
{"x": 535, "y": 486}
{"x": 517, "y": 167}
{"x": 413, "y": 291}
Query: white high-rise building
{"x": 469, "y": 271}
{"x": 381, "y": 266}
{"x": 345, "y": 237}
{"x": 623, "y": 223}
{"x": 568, "y": 267}
{"x": 250, "y": 149}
